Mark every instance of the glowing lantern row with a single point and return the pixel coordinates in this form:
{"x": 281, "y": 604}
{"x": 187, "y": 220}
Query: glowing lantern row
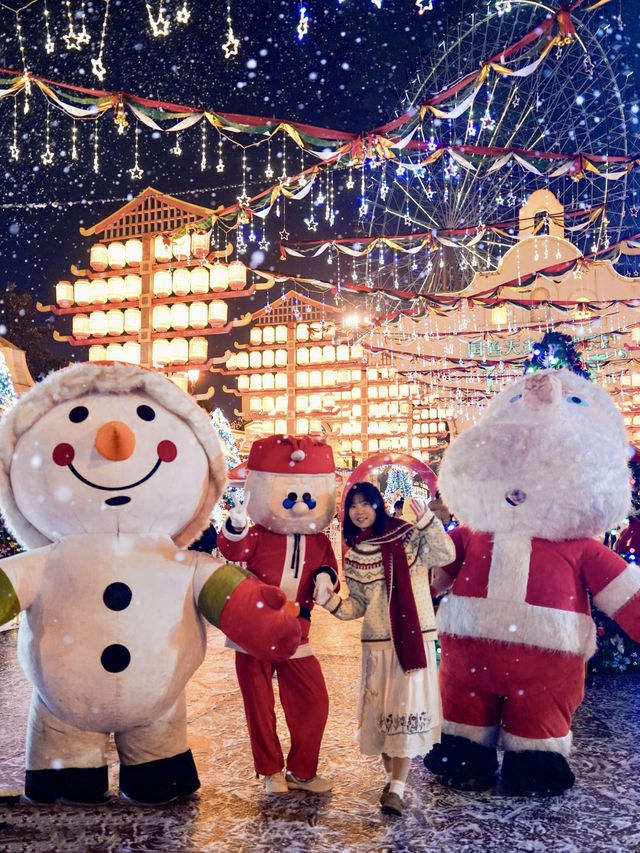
{"x": 315, "y": 331}
{"x": 197, "y": 315}
{"x": 268, "y": 335}
{"x": 99, "y": 291}
{"x": 181, "y": 282}
{"x": 263, "y": 382}
{"x": 329, "y": 353}
{"x": 128, "y": 352}
{"x": 268, "y": 358}
{"x": 233, "y": 275}
{"x": 115, "y": 255}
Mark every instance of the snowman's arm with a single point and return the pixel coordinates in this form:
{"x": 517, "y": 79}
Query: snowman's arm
{"x": 248, "y": 611}
{"x": 615, "y": 585}
{"x": 19, "y": 578}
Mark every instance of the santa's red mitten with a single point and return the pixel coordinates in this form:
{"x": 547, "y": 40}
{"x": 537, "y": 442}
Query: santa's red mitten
{"x": 250, "y": 613}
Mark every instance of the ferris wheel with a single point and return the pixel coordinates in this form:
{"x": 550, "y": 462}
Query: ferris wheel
{"x": 572, "y": 102}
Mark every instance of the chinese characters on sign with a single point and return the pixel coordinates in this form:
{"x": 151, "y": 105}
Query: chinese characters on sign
{"x": 599, "y": 349}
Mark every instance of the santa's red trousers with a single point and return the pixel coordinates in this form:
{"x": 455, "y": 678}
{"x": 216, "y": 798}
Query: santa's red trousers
{"x": 531, "y": 692}
{"x": 304, "y": 699}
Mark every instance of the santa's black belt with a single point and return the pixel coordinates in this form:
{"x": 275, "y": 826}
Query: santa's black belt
{"x": 305, "y": 613}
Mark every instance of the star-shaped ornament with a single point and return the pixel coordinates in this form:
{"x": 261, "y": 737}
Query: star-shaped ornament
{"x": 284, "y": 234}
{"x": 47, "y": 157}
{"x": 71, "y": 40}
{"x": 98, "y": 68}
{"x": 136, "y": 172}
{"x": 230, "y": 47}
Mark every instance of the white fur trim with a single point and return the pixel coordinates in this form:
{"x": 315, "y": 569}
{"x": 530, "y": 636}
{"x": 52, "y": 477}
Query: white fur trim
{"x": 79, "y": 380}
{"x": 619, "y": 591}
{"x": 509, "y": 572}
{"x": 424, "y": 520}
{"x": 235, "y": 537}
{"x": 517, "y": 622}
{"x": 304, "y": 650}
{"x": 485, "y": 735}
{"x": 514, "y": 743}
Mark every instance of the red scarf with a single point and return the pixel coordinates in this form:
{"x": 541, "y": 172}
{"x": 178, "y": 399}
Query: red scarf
{"x": 403, "y": 613}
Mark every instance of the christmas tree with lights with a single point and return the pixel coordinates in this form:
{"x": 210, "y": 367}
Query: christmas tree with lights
{"x": 8, "y": 394}
{"x": 556, "y": 350}
{"x": 232, "y": 494}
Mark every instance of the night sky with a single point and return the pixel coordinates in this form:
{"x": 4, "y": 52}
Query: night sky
{"x": 350, "y": 72}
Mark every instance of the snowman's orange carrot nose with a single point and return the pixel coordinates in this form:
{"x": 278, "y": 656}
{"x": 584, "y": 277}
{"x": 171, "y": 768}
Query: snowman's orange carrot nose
{"x": 115, "y": 441}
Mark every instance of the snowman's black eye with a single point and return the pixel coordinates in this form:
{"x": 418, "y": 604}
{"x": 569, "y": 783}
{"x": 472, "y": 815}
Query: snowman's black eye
{"x": 78, "y": 414}
{"x": 146, "y": 413}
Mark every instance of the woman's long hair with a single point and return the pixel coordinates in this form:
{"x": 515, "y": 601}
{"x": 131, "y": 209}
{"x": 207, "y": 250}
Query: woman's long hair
{"x": 372, "y": 496}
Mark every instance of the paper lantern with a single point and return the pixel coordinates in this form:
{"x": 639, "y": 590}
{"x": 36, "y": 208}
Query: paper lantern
{"x": 80, "y": 326}
{"x": 315, "y": 379}
{"x": 357, "y": 352}
{"x": 218, "y": 277}
{"x": 268, "y": 358}
{"x": 115, "y": 322}
{"x": 132, "y": 287}
{"x": 281, "y": 358}
{"x": 268, "y": 335}
{"x": 315, "y": 355}
{"x": 232, "y": 362}
{"x": 255, "y": 360}
{"x": 199, "y": 315}
{"x": 97, "y": 352}
{"x": 243, "y": 360}
{"x": 268, "y": 404}
{"x": 280, "y": 427}
{"x": 161, "y": 249}
{"x": 181, "y": 247}
{"x": 315, "y": 401}
{"x": 302, "y": 379}
{"x": 133, "y": 252}
{"x": 181, "y": 283}
{"x": 198, "y": 350}
{"x": 181, "y": 380}
{"x": 179, "y": 350}
{"x": 98, "y": 257}
{"x": 82, "y": 291}
{"x": 117, "y": 256}
{"x": 97, "y": 323}
{"x": 114, "y": 352}
{"x": 131, "y": 352}
{"x": 499, "y": 315}
{"x": 315, "y": 426}
{"x": 243, "y": 383}
{"x": 268, "y": 381}
{"x": 161, "y": 351}
{"x": 161, "y": 318}
{"x": 281, "y": 380}
{"x": 328, "y": 378}
{"x": 237, "y": 275}
{"x": 302, "y": 356}
{"x": 115, "y": 288}
{"x": 255, "y": 336}
{"x": 342, "y": 352}
{"x": 199, "y": 280}
{"x": 328, "y": 353}
{"x": 302, "y": 332}
{"x": 64, "y": 294}
{"x": 218, "y": 318}
{"x": 255, "y": 382}
{"x": 179, "y": 315}
{"x": 302, "y": 426}
{"x": 99, "y": 291}
{"x": 255, "y": 405}
{"x": 281, "y": 334}
{"x": 200, "y": 244}
{"x": 328, "y": 401}
{"x": 132, "y": 319}
{"x": 162, "y": 283}
{"x": 302, "y": 402}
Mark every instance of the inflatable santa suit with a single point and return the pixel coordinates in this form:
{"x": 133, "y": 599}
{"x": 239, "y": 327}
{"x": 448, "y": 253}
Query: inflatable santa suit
{"x": 542, "y": 473}
{"x": 106, "y": 473}
{"x": 290, "y": 495}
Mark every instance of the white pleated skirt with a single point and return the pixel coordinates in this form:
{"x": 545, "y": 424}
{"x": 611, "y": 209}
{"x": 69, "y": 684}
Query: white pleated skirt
{"x": 398, "y": 713}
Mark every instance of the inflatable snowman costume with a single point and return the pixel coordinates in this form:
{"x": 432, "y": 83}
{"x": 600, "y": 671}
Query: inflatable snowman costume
{"x": 541, "y": 473}
{"x": 106, "y": 473}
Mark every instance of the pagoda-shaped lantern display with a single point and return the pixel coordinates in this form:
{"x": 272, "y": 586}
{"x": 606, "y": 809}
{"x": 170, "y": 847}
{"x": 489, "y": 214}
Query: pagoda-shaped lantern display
{"x": 303, "y": 373}
{"x": 151, "y": 299}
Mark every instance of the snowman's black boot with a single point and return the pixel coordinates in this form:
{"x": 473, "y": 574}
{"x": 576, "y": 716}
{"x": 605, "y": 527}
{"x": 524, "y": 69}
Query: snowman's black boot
{"x": 160, "y": 781}
{"x": 82, "y": 785}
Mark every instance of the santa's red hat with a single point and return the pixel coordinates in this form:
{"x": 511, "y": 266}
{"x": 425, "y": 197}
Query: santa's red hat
{"x": 287, "y": 454}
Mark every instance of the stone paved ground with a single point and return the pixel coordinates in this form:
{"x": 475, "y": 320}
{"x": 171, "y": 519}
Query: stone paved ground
{"x": 232, "y": 814}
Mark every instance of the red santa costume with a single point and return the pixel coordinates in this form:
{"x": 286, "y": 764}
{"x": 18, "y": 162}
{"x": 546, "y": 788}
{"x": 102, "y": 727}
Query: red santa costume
{"x": 540, "y": 474}
{"x": 291, "y": 487}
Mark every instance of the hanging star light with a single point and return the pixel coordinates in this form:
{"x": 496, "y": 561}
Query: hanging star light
{"x": 83, "y": 36}
{"x": 161, "y": 25}
{"x": 70, "y": 39}
{"x": 183, "y": 14}
{"x": 97, "y": 66}
{"x": 422, "y": 8}
{"x": 230, "y": 47}
{"x": 303, "y": 23}
{"x": 49, "y": 44}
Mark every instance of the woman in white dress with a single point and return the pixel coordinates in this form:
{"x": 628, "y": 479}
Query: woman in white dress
{"x": 387, "y": 574}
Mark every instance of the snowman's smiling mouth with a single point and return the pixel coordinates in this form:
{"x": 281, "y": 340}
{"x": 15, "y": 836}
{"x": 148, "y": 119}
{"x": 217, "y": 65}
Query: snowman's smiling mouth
{"x": 114, "y": 488}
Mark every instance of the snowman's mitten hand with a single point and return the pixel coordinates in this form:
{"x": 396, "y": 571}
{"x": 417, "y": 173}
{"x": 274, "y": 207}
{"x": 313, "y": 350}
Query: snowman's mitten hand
{"x": 250, "y": 613}
{"x": 9, "y": 604}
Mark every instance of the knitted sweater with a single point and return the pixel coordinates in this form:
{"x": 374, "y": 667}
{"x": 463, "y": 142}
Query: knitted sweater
{"x": 426, "y": 544}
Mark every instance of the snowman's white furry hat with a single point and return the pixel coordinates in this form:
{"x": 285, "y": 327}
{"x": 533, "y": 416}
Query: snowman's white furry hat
{"x": 105, "y": 378}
